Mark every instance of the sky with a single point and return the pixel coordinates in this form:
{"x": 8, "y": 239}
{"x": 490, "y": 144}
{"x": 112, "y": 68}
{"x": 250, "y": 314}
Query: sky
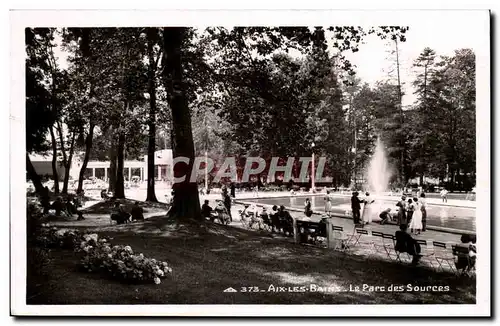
{"x": 373, "y": 62}
{"x": 371, "y": 59}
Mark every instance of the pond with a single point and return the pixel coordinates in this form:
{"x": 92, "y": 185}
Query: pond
{"x": 463, "y": 218}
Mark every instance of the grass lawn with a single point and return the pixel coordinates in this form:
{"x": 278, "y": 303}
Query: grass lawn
{"x": 208, "y": 258}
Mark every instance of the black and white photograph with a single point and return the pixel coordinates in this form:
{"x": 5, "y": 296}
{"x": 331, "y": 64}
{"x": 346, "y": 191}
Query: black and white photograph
{"x": 202, "y": 163}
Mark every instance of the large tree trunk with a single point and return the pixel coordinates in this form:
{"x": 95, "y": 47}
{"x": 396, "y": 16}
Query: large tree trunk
{"x": 112, "y": 164}
{"x": 151, "y": 196}
{"x": 88, "y": 148}
{"x": 34, "y": 177}
{"x": 186, "y": 203}
{"x": 67, "y": 167}
{"x": 55, "y": 175}
{"x": 120, "y": 188}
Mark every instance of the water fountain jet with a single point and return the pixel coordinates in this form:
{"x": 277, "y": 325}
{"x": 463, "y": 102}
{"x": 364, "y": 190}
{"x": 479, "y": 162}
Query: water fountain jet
{"x": 378, "y": 175}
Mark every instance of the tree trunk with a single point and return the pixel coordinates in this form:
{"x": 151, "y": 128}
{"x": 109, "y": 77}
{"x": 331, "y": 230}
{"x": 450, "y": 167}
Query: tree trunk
{"x": 67, "y": 167}
{"x": 151, "y": 196}
{"x": 112, "y": 164}
{"x": 34, "y": 177}
{"x": 186, "y": 202}
{"x": 88, "y": 148}
{"x": 120, "y": 188}
{"x": 55, "y": 175}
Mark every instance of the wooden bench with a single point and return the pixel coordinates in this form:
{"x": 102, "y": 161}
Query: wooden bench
{"x": 306, "y": 229}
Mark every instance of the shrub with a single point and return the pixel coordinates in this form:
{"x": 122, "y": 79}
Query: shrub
{"x": 99, "y": 255}
{"x": 121, "y": 263}
{"x": 37, "y": 260}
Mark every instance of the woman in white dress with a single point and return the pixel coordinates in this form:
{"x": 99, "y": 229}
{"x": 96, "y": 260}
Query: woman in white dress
{"x": 416, "y": 220}
{"x": 367, "y": 215}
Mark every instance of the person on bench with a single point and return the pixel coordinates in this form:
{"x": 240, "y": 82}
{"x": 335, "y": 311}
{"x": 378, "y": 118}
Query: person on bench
{"x": 206, "y": 211}
{"x": 405, "y": 243}
{"x": 70, "y": 206}
{"x": 467, "y": 262}
{"x": 286, "y": 220}
{"x": 104, "y": 194}
{"x": 80, "y": 216}
{"x": 119, "y": 215}
{"x": 58, "y": 206}
{"x": 137, "y": 212}
{"x": 45, "y": 200}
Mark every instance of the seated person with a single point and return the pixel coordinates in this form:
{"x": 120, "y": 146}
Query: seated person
{"x": 221, "y": 211}
{"x": 206, "y": 211}
{"x": 286, "y": 220}
{"x": 77, "y": 202}
{"x": 80, "y": 216}
{"x": 45, "y": 200}
{"x": 467, "y": 261}
{"x": 104, "y": 194}
{"x": 385, "y": 216}
{"x": 58, "y": 206}
{"x": 137, "y": 212}
{"x": 275, "y": 219}
{"x": 119, "y": 215}
{"x": 254, "y": 216}
{"x": 265, "y": 216}
{"x": 70, "y": 207}
{"x": 405, "y": 243}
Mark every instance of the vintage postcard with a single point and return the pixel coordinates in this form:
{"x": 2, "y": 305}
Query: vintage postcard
{"x": 199, "y": 163}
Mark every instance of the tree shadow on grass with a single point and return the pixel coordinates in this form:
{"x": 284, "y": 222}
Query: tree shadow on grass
{"x": 220, "y": 257}
{"x": 106, "y": 206}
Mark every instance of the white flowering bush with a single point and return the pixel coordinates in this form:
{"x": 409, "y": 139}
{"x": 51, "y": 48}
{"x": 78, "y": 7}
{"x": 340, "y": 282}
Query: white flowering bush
{"x": 121, "y": 263}
{"x": 99, "y": 255}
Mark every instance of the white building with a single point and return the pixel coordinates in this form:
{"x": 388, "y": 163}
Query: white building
{"x": 100, "y": 169}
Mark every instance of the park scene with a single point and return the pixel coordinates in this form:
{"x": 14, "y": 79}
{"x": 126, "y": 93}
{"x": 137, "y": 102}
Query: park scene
{"x": 249, "y": 165}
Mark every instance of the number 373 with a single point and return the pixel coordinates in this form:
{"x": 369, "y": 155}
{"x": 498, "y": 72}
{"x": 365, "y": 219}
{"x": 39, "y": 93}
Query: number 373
{"x": 249, "y": 289}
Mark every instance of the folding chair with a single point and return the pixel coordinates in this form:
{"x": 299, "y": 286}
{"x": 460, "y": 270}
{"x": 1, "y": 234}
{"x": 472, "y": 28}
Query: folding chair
{"x": 341, "y": 240}
{"x": 389, "y": 241}
{"x": 425, "y": 252}
{"x": 444, "y": 256}
{"x": 356, "y": 236}
{"x": 377, "y": 247}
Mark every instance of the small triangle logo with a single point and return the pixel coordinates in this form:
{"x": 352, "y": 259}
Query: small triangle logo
{"x": 230, "y": 289}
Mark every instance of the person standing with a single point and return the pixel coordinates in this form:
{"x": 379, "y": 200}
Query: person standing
{"x": 227, "y": 203}
{"x": 410, "y": 208}
{"x": 307, "y": 208}
{"x": 444, "y": 194}
{"x": 423, "y": 208}
{"x": 356, "y": 207}
{"x": 328, "y": 203}
{"x": 416, "y": 220}
{"x": 233, "y": 190}
{"x": 402, "y": 210}
{"x": 367, "y": 209}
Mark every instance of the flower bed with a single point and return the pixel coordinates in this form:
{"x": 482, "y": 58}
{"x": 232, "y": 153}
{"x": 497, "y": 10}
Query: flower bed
{"x": 99, "y": 255}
